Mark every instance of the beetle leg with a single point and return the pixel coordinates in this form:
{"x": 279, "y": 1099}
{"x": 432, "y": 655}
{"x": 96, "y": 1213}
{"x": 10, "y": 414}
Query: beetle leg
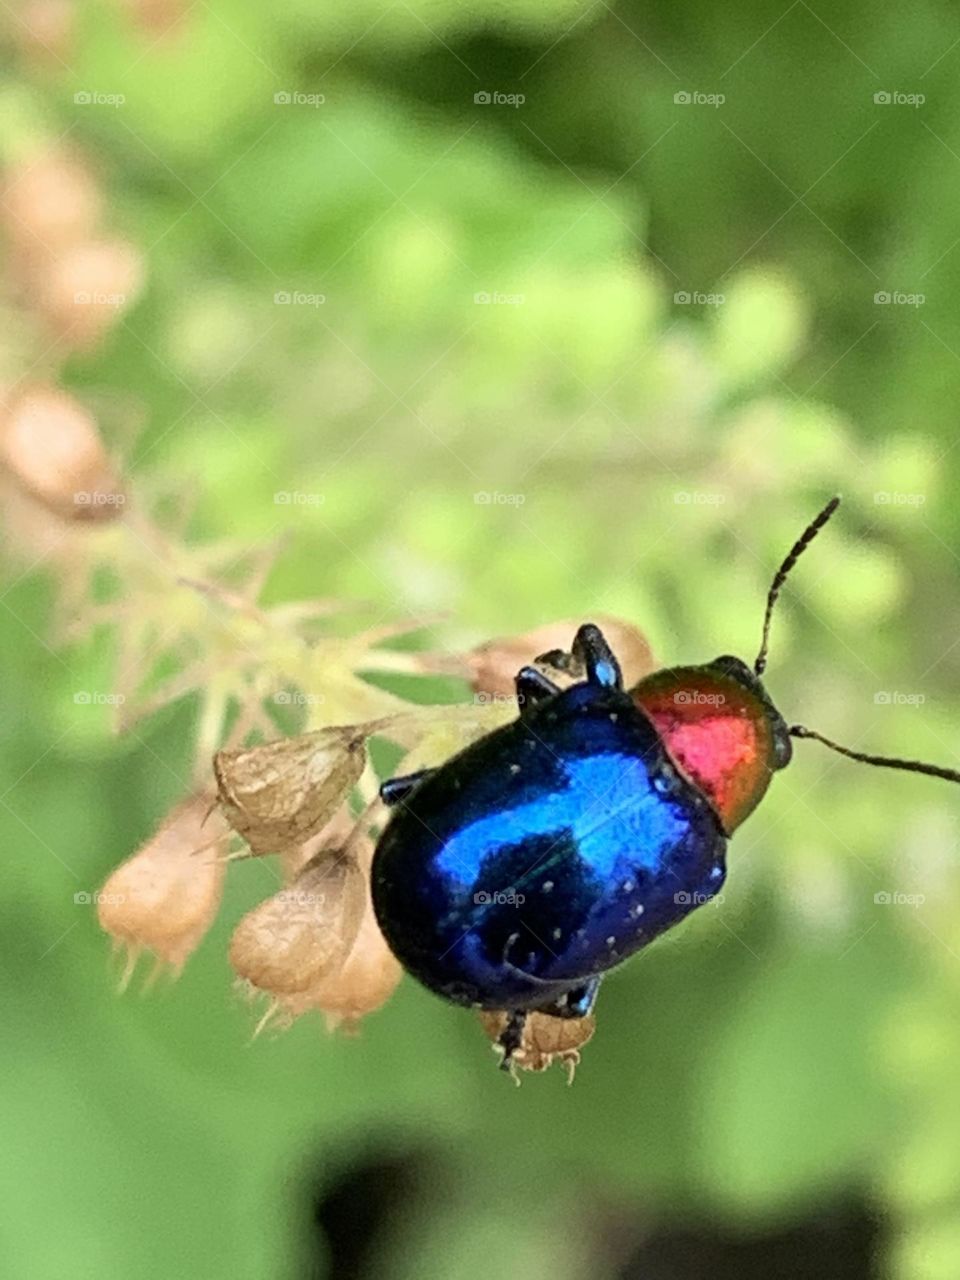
{"x": 590, "y": 647}
{"x": 395, "y": 790}
{"x": 511, "y": 1038}
{"x": 578, "y": 1001}
{"x": 533, "y": 687}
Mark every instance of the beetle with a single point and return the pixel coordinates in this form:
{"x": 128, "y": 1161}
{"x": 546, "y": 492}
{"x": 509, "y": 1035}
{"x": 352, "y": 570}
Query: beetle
{"x": 517, "y": 874}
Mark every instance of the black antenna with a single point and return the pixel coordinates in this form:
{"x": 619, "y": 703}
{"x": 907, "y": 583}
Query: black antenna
{"x": 796, "y": 551}
{"x": 799, "y": 730}
{"x": 888, "y": 762}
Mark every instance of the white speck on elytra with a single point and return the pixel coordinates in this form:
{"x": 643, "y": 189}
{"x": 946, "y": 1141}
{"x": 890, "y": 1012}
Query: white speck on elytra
{"x": 547, "y": 886}
{"x": 557, "y": 934}
{"x": 628, "y": 886}
{"x": 514, "y": 768}
{"x": 611, "y": 941}
{"x": 637, "y": 910}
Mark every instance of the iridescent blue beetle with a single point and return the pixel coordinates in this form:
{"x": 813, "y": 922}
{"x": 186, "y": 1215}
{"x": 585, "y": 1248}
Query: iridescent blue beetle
{"x": 515, "y": 875}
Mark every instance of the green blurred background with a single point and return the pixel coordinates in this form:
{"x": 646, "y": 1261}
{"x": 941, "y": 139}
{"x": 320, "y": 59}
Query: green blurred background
{"x": 605, "y": 349}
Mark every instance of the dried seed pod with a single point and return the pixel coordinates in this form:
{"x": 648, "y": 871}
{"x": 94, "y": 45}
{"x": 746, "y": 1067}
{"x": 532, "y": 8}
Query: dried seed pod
{"x": 545, "y": 1039}
{"x": 304, "y": 933}
{"x": 86, "y": 287}
{"x": 166, "y": 896}
{"x": 280, "y": 794}
{"x": 366, "y": 982}
{"x": 333, "y": 835}
{"x": 49, "y": 201}
{"x": 45, "y": 31}
{"x": 53, "y": 448}
{"x": 158, "y": 18}
{"x": 494, "y": 665}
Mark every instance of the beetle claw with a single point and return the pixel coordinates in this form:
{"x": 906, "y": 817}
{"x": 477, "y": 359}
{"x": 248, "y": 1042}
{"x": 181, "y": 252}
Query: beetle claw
{"x": 511, "y": 1038}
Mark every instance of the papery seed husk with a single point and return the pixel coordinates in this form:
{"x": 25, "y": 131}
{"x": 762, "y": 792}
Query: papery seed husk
{"x": 52, "y": 446}
{"x": 160, "y": 19}
{"x": 87, "y": 288}
{"x": 165, "y": 897}
{"x": 366, "y": 981}
{"x": 50, "y": 200}
{"x": 494, "y": 665}
{"x": 332, "y": 836}
{"x": 45, "y": 31}
{"x": 546, "y": 1039}
{"x": 304, "y": 932}
{"x": 280, "y": 794}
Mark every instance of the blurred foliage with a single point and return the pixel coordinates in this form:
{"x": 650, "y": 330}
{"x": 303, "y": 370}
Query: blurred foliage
{"x": 309, "y": 355}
